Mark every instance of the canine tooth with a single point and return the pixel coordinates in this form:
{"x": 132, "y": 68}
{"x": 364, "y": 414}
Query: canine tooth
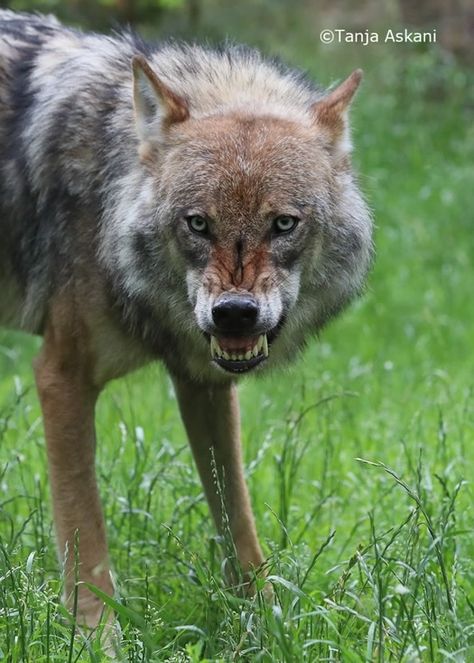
{"x": 265, "y": 345}
{"x": 214, "y": 346}
{"x": 260, "y": 342}
{"x": 248, "y": 354}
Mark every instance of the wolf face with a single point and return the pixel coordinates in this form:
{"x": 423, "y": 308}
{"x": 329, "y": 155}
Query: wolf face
{"x": 256, "y": 215}
{"x": 247, "y": 219}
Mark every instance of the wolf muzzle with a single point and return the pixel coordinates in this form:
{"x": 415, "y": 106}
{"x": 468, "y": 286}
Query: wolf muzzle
{"x": 235, "y": 314}
{"x": 236, "y": 347}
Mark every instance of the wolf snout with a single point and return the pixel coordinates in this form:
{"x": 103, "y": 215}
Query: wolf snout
{"x": 235, "y": 313}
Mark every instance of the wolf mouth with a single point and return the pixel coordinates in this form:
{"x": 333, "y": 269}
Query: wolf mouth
{"x": 238, "y": 355}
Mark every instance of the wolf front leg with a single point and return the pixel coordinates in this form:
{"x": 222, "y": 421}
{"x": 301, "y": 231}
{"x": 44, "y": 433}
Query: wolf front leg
{"x": 68, "y": 401}
{"x": 211, "y": 418}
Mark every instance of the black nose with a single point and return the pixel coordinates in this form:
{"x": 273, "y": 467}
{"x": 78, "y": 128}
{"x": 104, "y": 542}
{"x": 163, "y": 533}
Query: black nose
{"x": 235, "y": 313}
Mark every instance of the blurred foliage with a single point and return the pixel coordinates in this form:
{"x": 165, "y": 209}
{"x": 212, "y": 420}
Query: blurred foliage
{"x": 179, "y": 17}
{"x": 101, "y": 13}
{"x": 283, "y": 26}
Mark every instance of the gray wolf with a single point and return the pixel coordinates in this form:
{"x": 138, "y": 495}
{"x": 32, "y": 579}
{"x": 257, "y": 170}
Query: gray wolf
{"x": 172, "y": 203}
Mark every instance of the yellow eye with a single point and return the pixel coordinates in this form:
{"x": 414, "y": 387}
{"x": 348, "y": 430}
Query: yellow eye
{"x": 285, "y": 224}
{"x": 198, "y": 224}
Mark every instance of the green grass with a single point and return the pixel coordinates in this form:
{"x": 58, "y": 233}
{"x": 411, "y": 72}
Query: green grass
{"x": 359, "y": 459}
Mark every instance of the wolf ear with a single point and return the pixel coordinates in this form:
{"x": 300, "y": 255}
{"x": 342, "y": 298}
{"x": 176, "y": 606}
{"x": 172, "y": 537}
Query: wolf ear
{"x": 331, "y": 112}
{"x": 153, "y": 100}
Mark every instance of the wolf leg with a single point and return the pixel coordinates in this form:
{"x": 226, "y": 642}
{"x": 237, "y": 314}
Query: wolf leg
{"x": 68, "y": 400}
{"x": 211, "y": 418}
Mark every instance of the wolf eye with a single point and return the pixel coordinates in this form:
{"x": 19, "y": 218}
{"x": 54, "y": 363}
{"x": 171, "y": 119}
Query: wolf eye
{"x": 198, "y": 224}
{"x": 285, "y": 224}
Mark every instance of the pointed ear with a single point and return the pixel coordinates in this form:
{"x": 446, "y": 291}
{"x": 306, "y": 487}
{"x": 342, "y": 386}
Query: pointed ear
{"x": 330, "y": 113}
{"x": 153, "y": 100}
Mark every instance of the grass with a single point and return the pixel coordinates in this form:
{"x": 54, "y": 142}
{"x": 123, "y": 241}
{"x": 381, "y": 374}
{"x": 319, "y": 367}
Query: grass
{"x": 358, "y": 459}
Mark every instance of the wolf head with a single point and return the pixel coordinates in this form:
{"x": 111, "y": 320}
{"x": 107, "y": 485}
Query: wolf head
{"x": 257, "y": 214}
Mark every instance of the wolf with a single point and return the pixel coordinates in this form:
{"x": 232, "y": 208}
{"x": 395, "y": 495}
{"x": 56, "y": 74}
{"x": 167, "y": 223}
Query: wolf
{"x": 168, "y": 202}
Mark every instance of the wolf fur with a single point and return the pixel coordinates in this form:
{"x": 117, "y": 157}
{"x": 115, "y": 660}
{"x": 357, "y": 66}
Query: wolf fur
{"x": 111, "y": 149}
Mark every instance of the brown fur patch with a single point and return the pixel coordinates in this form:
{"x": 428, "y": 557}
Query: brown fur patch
{"x": 261, "y": 167}
{"x": 225, "y": 274}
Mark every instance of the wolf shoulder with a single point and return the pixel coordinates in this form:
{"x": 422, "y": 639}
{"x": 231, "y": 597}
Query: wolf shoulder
{"x": 53, "y": 100}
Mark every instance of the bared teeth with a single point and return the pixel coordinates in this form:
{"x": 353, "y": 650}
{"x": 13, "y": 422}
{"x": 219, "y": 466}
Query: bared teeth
{"x": 214, "y": 346}
{"x": 216, "y": 350}
{"x": 260, "y": 347}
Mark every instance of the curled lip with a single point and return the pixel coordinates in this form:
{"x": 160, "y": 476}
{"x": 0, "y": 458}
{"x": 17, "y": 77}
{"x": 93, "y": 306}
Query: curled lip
{"x": 240, "y": 354}
{"x": 239, "y": 366}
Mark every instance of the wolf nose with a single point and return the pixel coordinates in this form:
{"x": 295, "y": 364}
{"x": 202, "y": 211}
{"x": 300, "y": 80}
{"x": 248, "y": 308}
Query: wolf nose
{"x": 235, "y": 313}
